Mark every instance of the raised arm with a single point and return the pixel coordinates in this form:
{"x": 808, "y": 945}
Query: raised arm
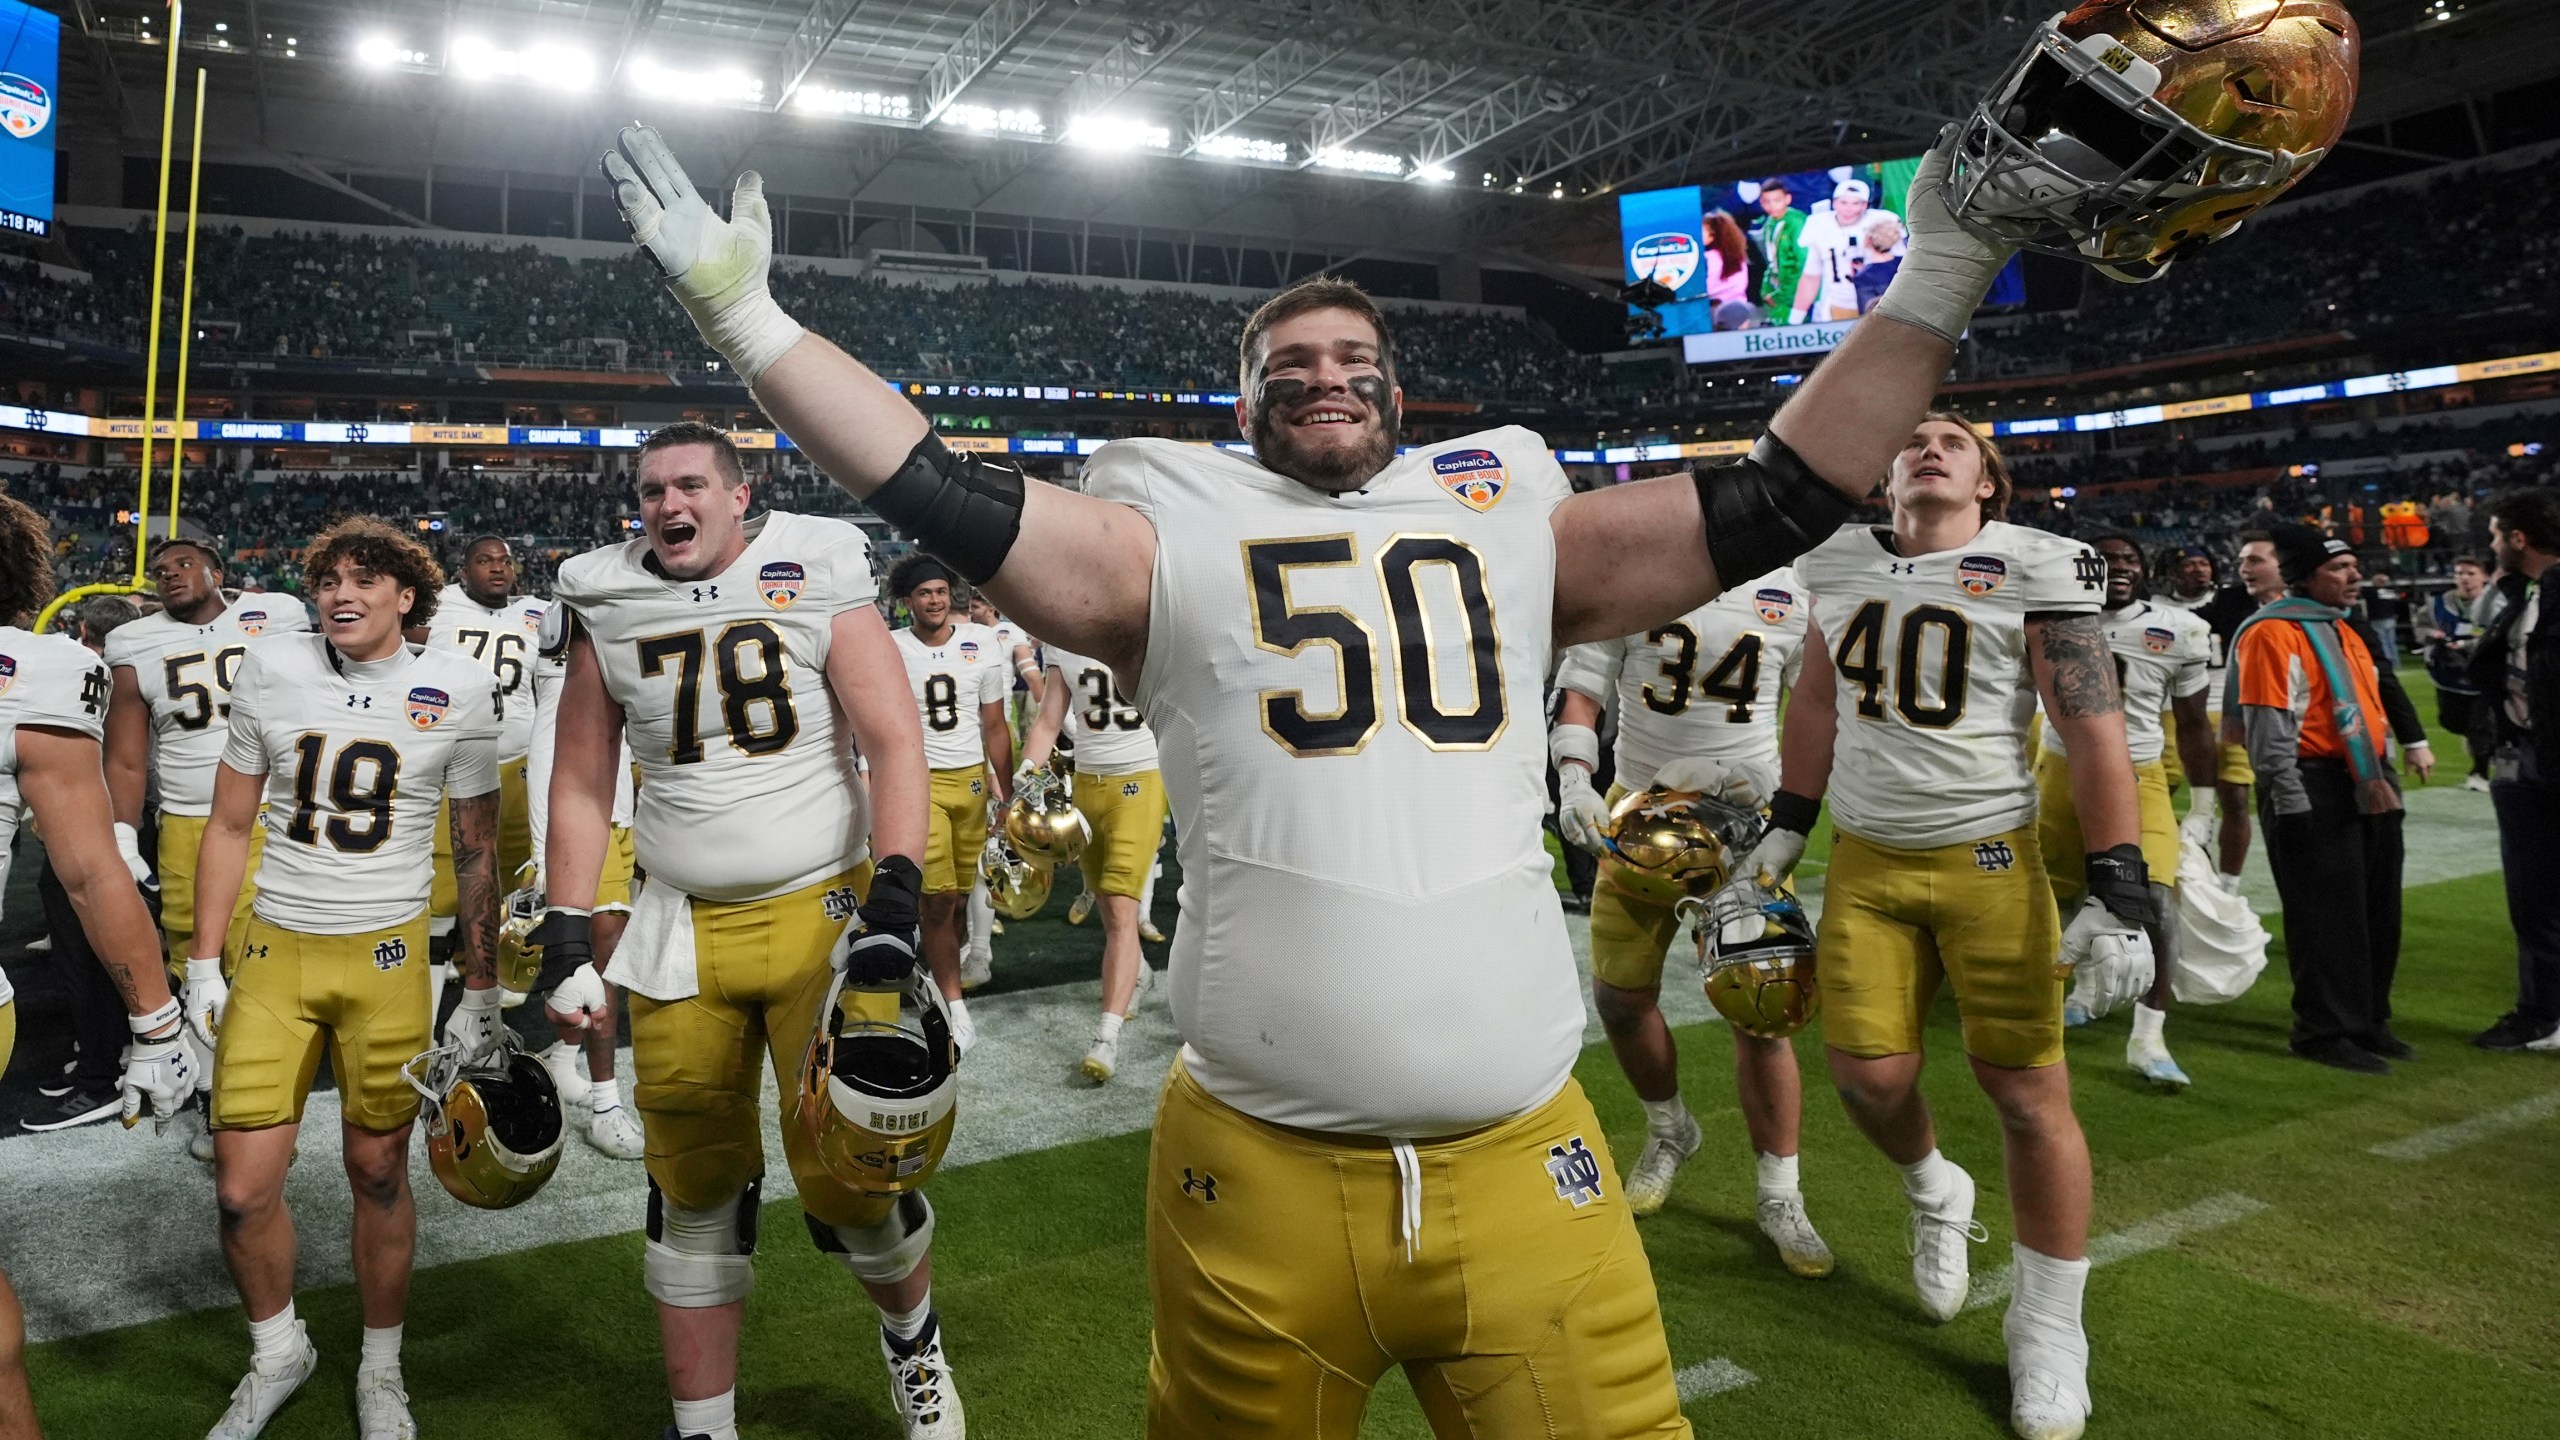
{"x": 1089, "y": 591}
{"x": 1635, "y": 555}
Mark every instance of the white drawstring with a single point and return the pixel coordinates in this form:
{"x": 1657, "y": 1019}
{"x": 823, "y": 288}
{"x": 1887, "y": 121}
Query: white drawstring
{"x": 1408, "y": 1197}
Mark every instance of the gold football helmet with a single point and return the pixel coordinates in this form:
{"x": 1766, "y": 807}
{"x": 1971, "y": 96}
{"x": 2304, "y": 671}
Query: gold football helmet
{"x": 1043, "y": 823}
{"x": 1017, "y": 888}
{"x": 2128, "y": 132}
{"x": 1757, "y": 948}
{"x": 877, "y": 1097}
{"x": 1667, "y": 845}
{"x": 494, "y": 1128}
{"x": 519, "y": 963}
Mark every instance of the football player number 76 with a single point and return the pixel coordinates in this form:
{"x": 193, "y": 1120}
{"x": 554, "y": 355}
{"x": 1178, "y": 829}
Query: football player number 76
{"x": 1401, "y": 566}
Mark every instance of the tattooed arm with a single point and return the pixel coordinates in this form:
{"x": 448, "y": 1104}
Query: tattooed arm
{"x": 2076, "y": 680}
{"x": 475, "y": 877}
{"x": 61, "y": 777}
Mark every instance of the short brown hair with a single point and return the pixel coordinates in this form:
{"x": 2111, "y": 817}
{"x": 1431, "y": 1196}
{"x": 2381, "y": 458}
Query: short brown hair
{"x": 26, "y": 562}
{"x": 693, "y": 432}
{"x": 1995, "y": 466}
{"x": 378, "y": 546}
{"x": 1324, "y": 292}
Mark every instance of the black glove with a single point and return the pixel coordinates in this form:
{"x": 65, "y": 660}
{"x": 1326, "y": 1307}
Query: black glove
{"x": 881, "y": 952}
{"x": 566, "y": 939}
{"x": 2119, "y": 879}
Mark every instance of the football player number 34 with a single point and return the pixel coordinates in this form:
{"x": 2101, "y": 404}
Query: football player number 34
{"x": 1405, "y": 566}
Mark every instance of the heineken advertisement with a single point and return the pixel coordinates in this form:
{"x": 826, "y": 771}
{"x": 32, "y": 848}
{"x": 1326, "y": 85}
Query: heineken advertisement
{"x": 1764, "y": 342}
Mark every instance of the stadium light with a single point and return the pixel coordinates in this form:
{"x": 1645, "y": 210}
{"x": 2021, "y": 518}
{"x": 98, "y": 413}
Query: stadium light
{"x": 556, "y": 66}
{"x": 1366, "y": 162}
{"x": 988, "y": 120}
{"x": 1433, "y": 174}
{"x": 696, "y": 87}
{"x": 1239, "y": 147}
{"x": 869, "y": 104}
{"x": 1106, "y": 132}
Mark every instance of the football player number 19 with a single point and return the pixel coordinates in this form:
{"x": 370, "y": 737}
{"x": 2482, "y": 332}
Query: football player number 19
{"x": 1404, "y": 565}
{"x": 362, "y": 781}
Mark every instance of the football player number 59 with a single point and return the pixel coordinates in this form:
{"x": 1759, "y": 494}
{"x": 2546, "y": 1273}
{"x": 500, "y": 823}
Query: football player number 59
{"x": 1404, "y": 565}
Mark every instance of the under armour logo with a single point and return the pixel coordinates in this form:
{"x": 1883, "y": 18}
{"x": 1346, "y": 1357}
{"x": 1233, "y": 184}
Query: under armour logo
{"x": 1994, "y": 855}
{"x": 839, "y": 903}
{"x": 359, "y": 702}
{"x": 1902, "y": 567}
{"x": 1576, "y": 1172}
{"x": 253, "y": 952}
{"x": 705, "y": 592}
{"x": 1203, "y": 1185}
{"x": 390, "y": 953}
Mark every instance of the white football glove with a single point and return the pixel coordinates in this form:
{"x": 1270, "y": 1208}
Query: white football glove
{"x": 475, "y": 1023}
{"x": 129, "y": 850}
{"x": 717, "y": 269}
{"x": 1773, "y": 860}
{"x": 1950, "y": 266}
{"x": 581, "y": 993}
{"x": 161, "y": 1068}
{"x": 1581, "y": 815}
{"x": 206, "y": 994}
{"x": 1736, "y": 782}
{"x": 2109, "y": 958}
{"x": 2199, "y": 826}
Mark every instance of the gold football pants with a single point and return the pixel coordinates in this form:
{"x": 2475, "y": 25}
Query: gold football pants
{"x": 1977, "y": 914}
{"x": 762, "y": 967}
{"x": 2058, "y": 826}
{"x": 1284, "y": 1290}
{"x": 955, "y": 829}
{"x": 1126, "y": 814}
{"x": 181, "y": 836}
{"x": 366, "y": 995}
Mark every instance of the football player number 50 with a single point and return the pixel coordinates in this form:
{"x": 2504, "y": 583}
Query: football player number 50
{"x": 1404, "y": 566}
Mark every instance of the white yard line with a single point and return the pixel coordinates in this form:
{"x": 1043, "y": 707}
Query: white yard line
{"x": 1711, "y": 1377}
{"x": 2445, "y": 1139}
{"x": 2157, "y": 1233}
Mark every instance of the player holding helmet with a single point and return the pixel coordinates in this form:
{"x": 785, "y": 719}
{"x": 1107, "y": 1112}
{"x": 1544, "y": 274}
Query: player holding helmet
{"x": 740, "y": 655}
{"x": 1702, "y": 688}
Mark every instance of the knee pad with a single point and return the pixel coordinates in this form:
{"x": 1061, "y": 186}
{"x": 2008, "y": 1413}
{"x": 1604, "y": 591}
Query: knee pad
{"x": 701, "y": 1258}
{"x": 885, "y": 1253}
{"x": 581, "y": 992}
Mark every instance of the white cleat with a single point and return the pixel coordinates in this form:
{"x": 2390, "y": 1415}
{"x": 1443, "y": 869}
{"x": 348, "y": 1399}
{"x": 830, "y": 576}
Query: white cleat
{"x": 568, "y": 1073}
{"x": 920, "y": 1385}
{"x": 1783, "y": 1220}
{"x": 1941, "y": 1270}
{"x": 263, "y": 1391}
{"x": 1649, "y": 1179}
{"x": 2048, "y": 1377}
{"x": 1081, "y": 910}
{"x": 1148, "y": 932}
{"x": 382, "y": 1406}
{"x": 1102, "y": 1061}
{"x": 2152, "y": 1063}
{"x": 964, "y": 1031}
{"x": 616, "y": 1134}
{"x": 977, "y": 966}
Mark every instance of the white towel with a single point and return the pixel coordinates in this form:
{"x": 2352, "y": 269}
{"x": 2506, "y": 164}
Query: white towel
{"x": 656, "y": 956}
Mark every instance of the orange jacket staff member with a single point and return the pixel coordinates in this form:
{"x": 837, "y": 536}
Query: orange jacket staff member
{"x": 2306, "y": 696}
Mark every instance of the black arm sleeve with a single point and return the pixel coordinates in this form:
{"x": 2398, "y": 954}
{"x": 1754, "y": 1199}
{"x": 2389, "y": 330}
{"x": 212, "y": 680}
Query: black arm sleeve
{"x": 1764, "y": 510}
{"x": 962, "y": 507}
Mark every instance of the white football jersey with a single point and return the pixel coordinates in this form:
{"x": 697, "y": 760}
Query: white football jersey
{"x": 1935, "y": 689}
{"x": 1706, "y": 684}
{"x": 502, "y": 640}
{"x": 185, "y": 673}
{"x": 970, "y": 668}
{"x": 1349, "y": 695}
{"x": 357, "y": 755}
{"x": 1111, "y": 737}
{"x": 747, "y": 786}
{"x": 48, "y": 680}
{"x": 2161, "y": 655}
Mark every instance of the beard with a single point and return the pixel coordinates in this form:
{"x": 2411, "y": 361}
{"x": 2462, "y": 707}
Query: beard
{"x": 1331, "y": 470}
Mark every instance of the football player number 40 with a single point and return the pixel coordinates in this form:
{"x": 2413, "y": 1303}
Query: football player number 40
{"x": 1863, "y": 660}
{"x": 1404, "y": 565}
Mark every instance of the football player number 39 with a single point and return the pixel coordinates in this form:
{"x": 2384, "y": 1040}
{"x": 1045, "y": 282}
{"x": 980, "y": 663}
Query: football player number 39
{"x": 755, "y": 690}
{"x": 1404, "y": 566}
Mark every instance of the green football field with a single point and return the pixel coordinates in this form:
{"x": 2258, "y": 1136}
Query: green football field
{"x": 2286, "y": 1251}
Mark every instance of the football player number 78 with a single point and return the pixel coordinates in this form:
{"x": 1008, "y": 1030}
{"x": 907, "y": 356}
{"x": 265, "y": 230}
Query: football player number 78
{"x": 1286, "y": 628}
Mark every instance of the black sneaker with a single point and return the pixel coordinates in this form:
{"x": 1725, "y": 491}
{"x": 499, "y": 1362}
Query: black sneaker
{"x": 62, "y": 1084}
{"x": 2344, "y": 1055}
{"x": 76, "y": 1109}
{"x": 2385, "y": 1044}
{"x": 2514, "y": 1032}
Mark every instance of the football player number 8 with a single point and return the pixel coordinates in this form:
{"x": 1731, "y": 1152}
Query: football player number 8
{"x": 1285, "y": 628}
{"x": 755, "y": 692}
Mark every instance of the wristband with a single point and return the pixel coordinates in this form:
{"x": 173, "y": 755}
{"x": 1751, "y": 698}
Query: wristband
{"x": 1574, "y": 742}
{"x": 897, "y": 887}
{"x": 1790, "y": 811}
{"x": 2119, "y": 879}
{"x": 167, "y": 1015}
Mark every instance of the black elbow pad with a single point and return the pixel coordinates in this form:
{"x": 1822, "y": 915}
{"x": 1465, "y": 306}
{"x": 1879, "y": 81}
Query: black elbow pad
{"x": 961, "y": 507}
{"x": 1764, "y": 510}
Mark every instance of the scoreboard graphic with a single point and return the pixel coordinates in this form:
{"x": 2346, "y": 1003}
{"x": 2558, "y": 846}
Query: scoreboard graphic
{"x": 30, "y": 48}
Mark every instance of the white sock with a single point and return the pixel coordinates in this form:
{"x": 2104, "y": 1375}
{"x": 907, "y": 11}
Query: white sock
{"x": 1664, "y": 1117}
{"x": 607, "y": 1095}
{"x": 1107, "y": 1030}
{"x": 2147, "y": 1023}
{"x": 908, "y": 1324}
{"x": 272, "y": 1338}
{"x": 982, "y": 914}
{"x": 1778, "y": 1174}
{"x": 381, "y": 1348}
{"x": 959, "y": 1011}
{"x": 1928, "y": 1178}
{"x": 2231, "y": 881}
{"x": 713, "y": 1419}
{"x": 2045, "y": 1305}
{"x": 1147, "y": 892}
